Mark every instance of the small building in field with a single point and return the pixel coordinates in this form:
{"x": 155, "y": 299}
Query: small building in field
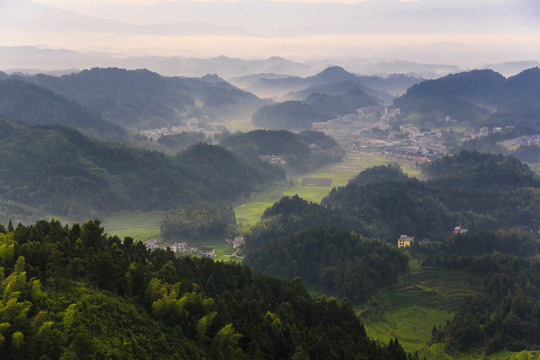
{"x": 459, "y": 230}
{"x": 405, "y": 241}
{"x": 181, "y": 246}
{"x": 238, "y": 242}
{"x": 207, "y": 251}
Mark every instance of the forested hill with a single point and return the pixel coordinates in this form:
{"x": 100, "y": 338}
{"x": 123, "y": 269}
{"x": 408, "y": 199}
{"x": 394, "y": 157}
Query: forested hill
{"x": 476, "y": 191}
{"x": 76, "y": 293}
{"x": 63, "y": 172}
{"x": 304, "y": 151}
{"x": 300, "y": 115}
{"x": 335, "y": 261}
{"x": 384, "y": 203}
{"x": 476, "y": 97}
{"x": 36, "y": 105}
{"x": 142, "y": 99}
{"x": 474, "y": 170}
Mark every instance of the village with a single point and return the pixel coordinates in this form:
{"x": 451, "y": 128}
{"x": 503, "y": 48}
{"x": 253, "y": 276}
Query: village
{"x": 182, "y": 248}
{"x": 374, "y": 130}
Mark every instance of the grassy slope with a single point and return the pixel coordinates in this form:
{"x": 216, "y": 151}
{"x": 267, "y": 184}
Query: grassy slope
{"x": 141, "y": 226}
{"x": 421, "y": 299}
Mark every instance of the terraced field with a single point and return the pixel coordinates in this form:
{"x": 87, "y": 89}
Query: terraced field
{"x": 423, "y": 299}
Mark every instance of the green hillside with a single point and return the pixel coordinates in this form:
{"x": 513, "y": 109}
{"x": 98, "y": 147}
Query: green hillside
{"x": 35, "y": 105}
{"x": 61, "y": 171}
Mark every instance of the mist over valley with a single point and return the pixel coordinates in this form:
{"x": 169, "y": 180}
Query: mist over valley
{"x": 269, "y": 179}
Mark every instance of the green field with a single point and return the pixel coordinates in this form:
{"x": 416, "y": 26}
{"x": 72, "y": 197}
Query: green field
{"x": 422, "y": 299}
{"x": 243, "y": 124}
{"x": 249, "y": 212}
{"x": 141, "y": 226}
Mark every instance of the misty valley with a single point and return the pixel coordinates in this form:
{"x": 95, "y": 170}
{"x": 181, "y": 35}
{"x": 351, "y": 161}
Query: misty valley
{"x": 263, "y": 215}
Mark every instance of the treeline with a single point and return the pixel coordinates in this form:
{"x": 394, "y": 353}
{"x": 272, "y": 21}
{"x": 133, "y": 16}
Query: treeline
{"x": 77, "y": 293}
{"x": 332, "y": 260}
{"x": 61, "y": 171}
{"x": 304, "y": 151}
{"x": 195, "y": 223}
{"x": 300, "y": 115}
{"x": 459, "y": 248}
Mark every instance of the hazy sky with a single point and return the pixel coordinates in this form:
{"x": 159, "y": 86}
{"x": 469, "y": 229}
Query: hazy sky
{"x": 429, "y": 31}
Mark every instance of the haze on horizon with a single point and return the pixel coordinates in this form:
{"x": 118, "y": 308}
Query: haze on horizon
{"x": 464, "y": 33}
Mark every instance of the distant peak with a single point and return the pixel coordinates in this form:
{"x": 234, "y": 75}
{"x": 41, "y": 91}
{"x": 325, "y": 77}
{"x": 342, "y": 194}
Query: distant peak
{"x": 212, "y": 78}
{"x": 334, "y": 73}
{"x": 334, "y": 70}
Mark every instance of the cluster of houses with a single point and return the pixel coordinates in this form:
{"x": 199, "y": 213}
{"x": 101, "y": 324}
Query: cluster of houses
{"x": 192, "y": 125}
{"x": 182, "y": 247}
{"x": 273, "y": 159}
{"x": 405, "y": 241}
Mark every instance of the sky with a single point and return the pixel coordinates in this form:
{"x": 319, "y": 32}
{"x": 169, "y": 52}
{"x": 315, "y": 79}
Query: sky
{"x": 460, "y": 32}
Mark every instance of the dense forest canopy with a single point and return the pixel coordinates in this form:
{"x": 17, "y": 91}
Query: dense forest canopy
{"x": 77, "y": 293}
{"x": 64, "y": 172}
{"x": 332, "y": 260}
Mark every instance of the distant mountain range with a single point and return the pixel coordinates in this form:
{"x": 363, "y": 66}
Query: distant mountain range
{"x": 474, "y": 97}
{"x": 332, "y": 80}
{"x": 32, "y": 60}
{"x": 142, "y": 99}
